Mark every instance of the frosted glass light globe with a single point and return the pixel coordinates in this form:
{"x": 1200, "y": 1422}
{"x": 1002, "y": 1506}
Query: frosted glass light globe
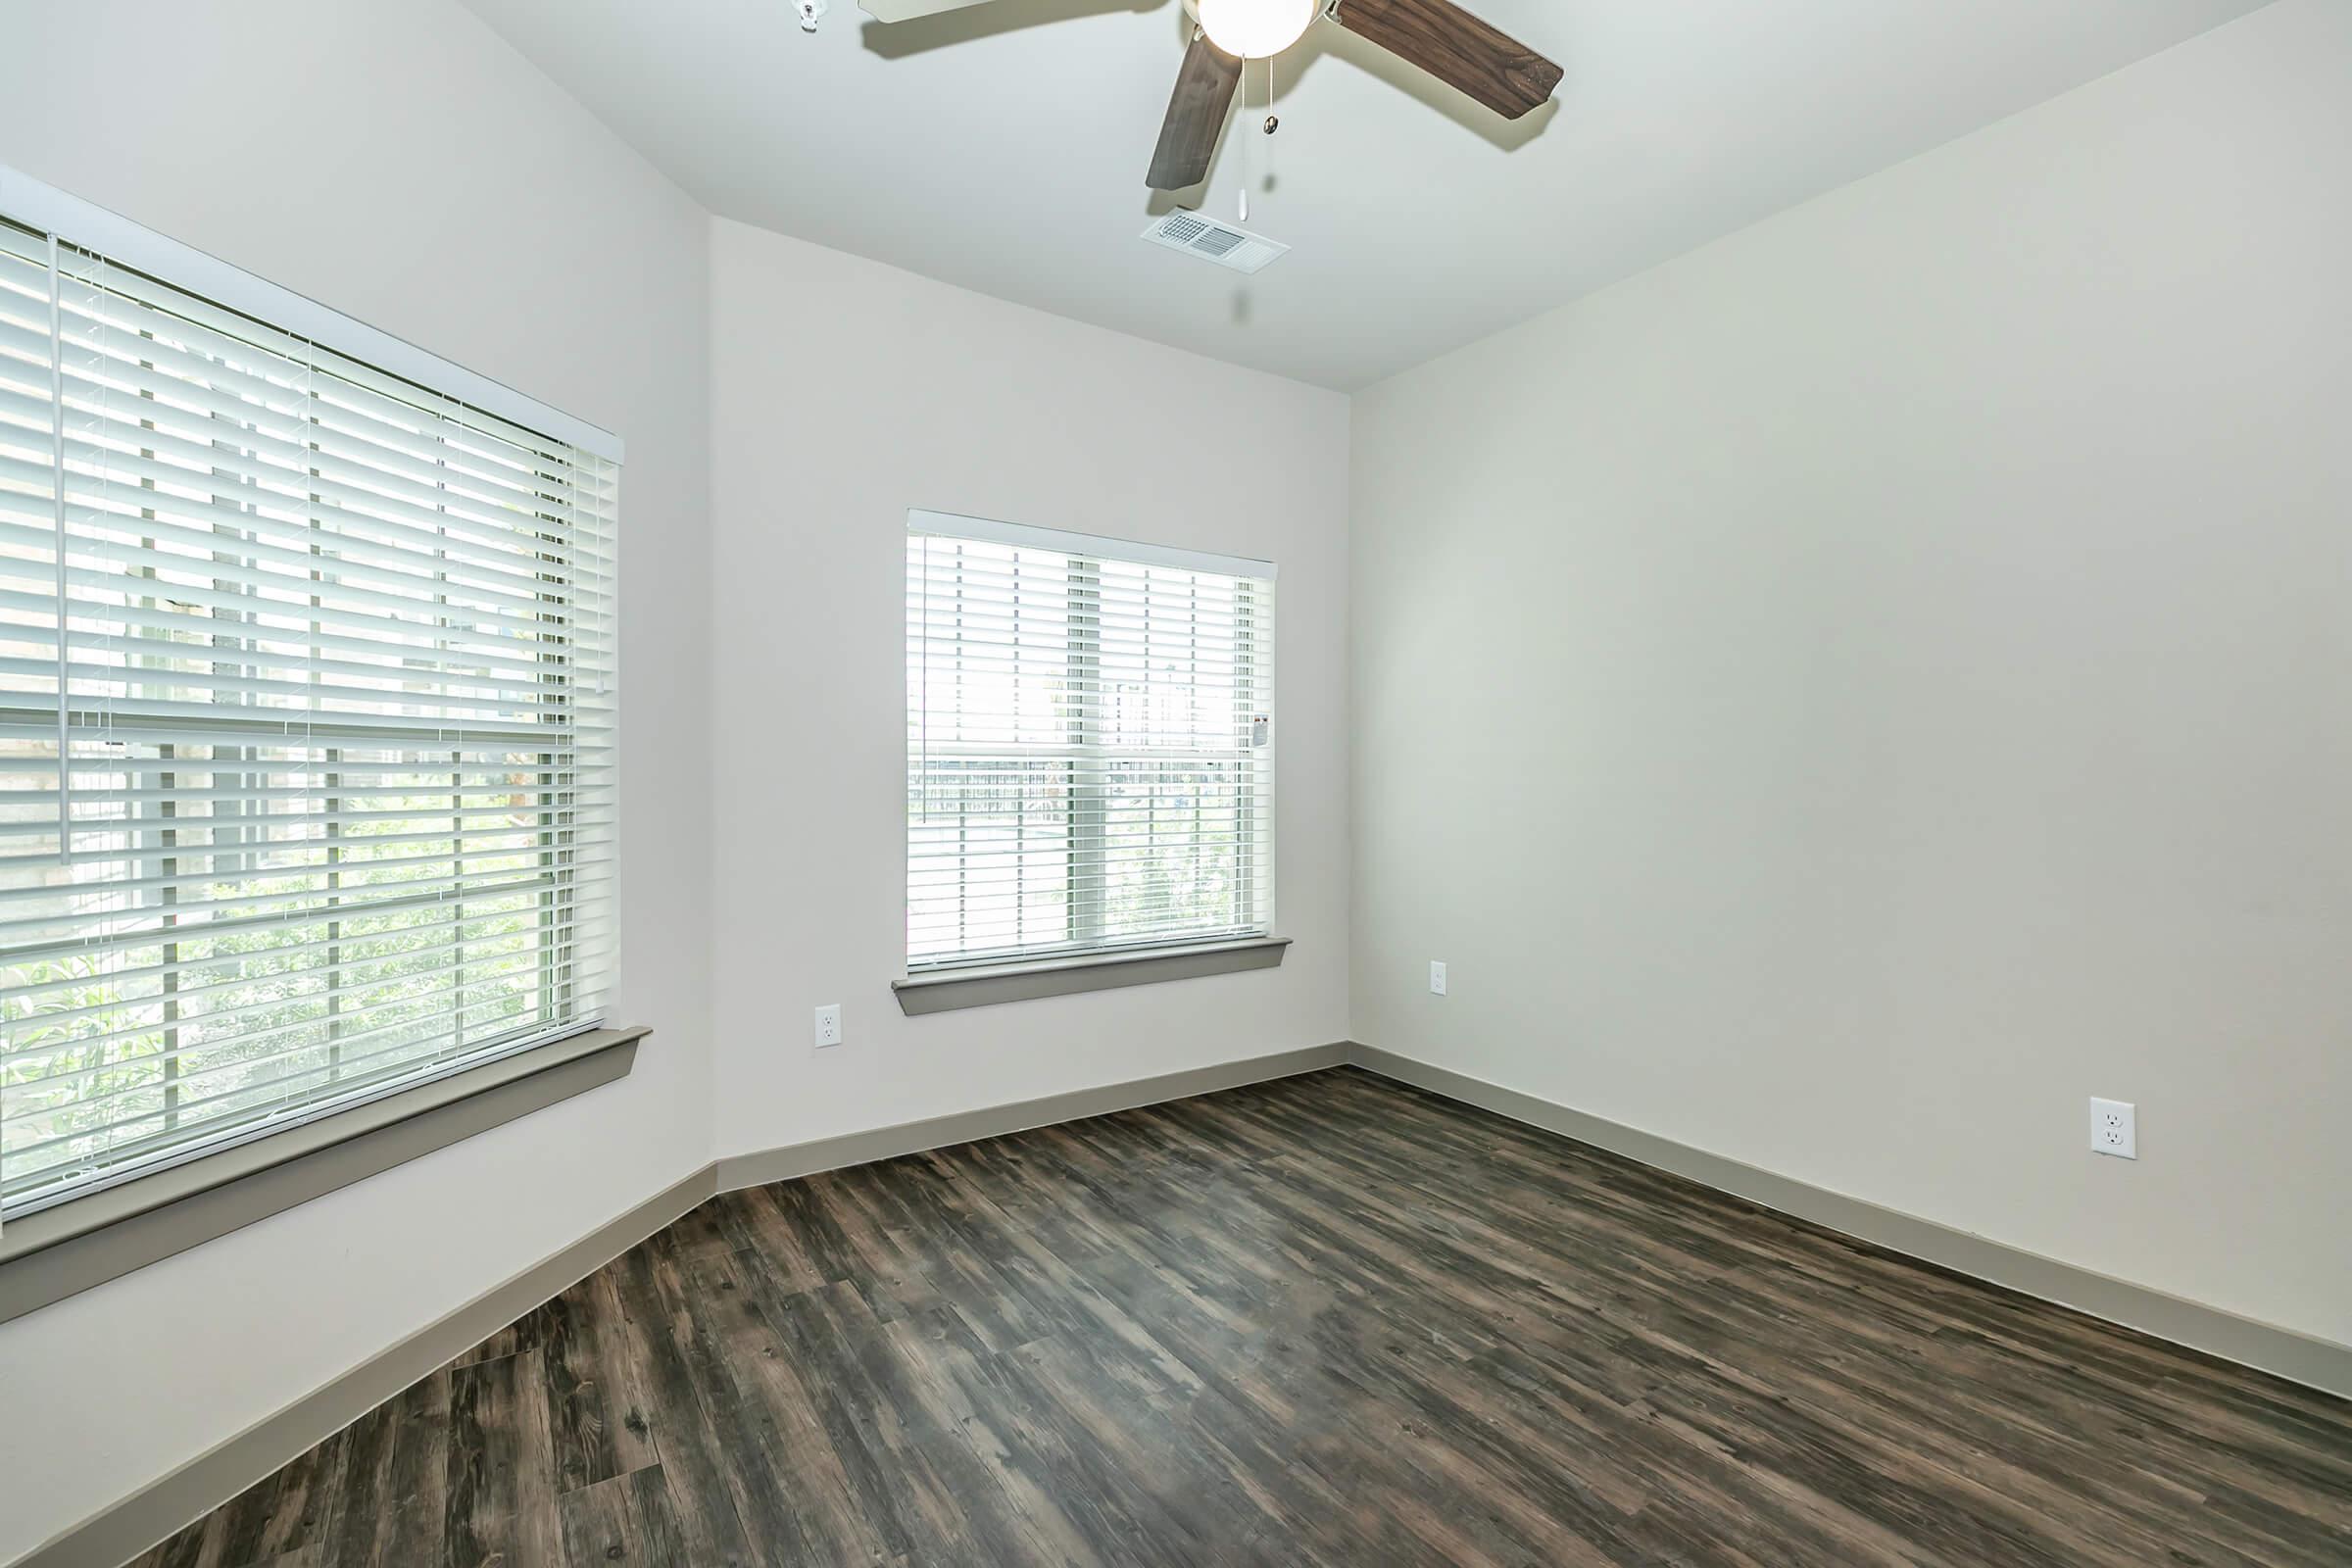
{"x": 1255, "y": 28}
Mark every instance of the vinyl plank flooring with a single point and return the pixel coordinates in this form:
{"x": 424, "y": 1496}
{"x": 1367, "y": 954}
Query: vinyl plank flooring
{"x": 499, "y": 1490}
{"x": 649, "y": 1344}
{"x": 1329, "y": 1321}
{"x": 807, "y": 1436}
{"x": 628, "y": 1519}
{"x": 595, "y": 1409}
{"x": 395, "y": 1482}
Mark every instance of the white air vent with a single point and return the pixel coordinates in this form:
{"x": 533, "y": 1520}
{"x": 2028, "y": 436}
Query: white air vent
{"x": 1213, "y": 241}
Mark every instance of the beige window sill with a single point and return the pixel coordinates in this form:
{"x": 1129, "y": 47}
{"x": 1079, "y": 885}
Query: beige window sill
{"x": 55, "y": 1252}
{"x": 985, "y": 986}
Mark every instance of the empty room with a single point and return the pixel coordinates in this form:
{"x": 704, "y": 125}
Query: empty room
{"x": 942, "y": 783}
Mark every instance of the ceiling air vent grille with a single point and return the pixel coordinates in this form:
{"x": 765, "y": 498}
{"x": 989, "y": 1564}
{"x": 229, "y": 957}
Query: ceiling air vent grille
{"x": 1212, "y": 241}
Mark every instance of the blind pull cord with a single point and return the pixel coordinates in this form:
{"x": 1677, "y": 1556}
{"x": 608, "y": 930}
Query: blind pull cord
{"x": 57, "y": 485}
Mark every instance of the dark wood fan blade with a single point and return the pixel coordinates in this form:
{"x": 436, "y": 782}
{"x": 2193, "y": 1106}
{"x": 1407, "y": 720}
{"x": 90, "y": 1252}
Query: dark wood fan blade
{"x": 1188, "y": 138}
{"x": 1456, "y": 48}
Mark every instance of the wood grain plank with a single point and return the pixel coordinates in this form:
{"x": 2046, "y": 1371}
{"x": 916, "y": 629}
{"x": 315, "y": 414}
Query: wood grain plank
{"x": 596, "y": 1422}
{"x": 630, "y": 1520}
{"x": 805, "y": 1440}
{"x": 667, "y": 1358}
{"x": 498, "y": 1505}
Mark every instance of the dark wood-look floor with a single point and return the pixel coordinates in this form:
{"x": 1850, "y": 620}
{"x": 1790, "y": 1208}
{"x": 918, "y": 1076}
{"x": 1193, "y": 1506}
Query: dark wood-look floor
{"x": 1323, "y": 1321}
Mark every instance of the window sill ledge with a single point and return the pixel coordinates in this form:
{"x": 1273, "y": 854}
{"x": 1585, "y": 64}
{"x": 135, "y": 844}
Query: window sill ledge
{"x": 56, "y": 1252}
{"x": 949, "y": 990}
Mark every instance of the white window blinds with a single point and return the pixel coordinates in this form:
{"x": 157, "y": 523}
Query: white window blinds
{"x": 306, "y": 725}
{"x": 1089, "y": 744}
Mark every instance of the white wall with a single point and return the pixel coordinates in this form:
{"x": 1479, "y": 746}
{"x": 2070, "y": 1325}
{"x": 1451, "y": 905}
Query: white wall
{"x": 1844, "y": 697}
{"x": 449, "y": 194}
{"x": 844, "y": 392}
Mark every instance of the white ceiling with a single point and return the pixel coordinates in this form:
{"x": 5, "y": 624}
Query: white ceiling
{"x": 1003, "y": 147}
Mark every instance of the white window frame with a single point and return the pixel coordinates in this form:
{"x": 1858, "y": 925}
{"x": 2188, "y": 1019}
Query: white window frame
{"x": 34, "y": 205}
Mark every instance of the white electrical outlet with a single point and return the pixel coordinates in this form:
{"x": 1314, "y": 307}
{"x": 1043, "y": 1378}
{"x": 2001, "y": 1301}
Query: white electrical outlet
{"x": 828, "y": 1025}
{"x": 1437, "y": 978}
{"x": 2115, "y": 1128}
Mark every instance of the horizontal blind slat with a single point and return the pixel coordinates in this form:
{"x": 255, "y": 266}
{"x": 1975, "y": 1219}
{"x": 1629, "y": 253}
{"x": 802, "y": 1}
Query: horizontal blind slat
{"x": 442, "y": 933}
{"x": 469, "y": 970}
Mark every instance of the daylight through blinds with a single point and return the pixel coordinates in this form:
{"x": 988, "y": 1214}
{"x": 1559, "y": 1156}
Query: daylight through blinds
{"x": 1089, "y": 742}
{"x": 306, "y": 727}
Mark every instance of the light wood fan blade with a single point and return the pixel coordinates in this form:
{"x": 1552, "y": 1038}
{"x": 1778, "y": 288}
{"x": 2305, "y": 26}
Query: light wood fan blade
{"x": 909, "y": 10}
{"x": 1188, "y": 138}
{"x": 1456, "y": 48}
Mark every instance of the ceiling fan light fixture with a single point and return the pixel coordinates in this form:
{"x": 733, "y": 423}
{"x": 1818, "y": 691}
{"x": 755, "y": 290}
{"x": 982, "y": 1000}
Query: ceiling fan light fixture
{"x": 1255, "y": 29}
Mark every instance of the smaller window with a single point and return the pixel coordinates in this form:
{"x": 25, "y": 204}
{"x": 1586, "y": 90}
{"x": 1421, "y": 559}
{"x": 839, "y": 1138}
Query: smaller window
{"x": 1090, "y": 758}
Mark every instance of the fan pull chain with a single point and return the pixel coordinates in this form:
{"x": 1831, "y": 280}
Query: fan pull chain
{"x": 1273, "y": 122}
{"x": 1244, "y": 193}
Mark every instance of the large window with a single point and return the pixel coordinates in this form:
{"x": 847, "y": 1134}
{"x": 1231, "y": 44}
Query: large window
{"x": 306, "y": 717}
{"x": 1090, "y": 764}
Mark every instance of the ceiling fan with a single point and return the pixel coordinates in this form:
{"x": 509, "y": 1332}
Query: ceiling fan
{"x": 1439, "y": 37}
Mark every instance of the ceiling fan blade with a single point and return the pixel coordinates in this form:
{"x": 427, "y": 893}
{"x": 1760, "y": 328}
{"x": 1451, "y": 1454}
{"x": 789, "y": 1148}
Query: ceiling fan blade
{"x": 1188, "y": 138}
{"x": 909, "y": 10}
{"x": 1456, "y": 48}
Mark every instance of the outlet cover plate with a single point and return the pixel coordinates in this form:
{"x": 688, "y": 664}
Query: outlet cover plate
{"x": 828, "y": 1025}
{"x": 2115, "y": 1128}
{"x": 1437, "y": 978}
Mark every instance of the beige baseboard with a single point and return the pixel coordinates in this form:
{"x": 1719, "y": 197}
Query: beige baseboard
{"x": 2267, "y": 1348}
{"x": 128, "y": 1527}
